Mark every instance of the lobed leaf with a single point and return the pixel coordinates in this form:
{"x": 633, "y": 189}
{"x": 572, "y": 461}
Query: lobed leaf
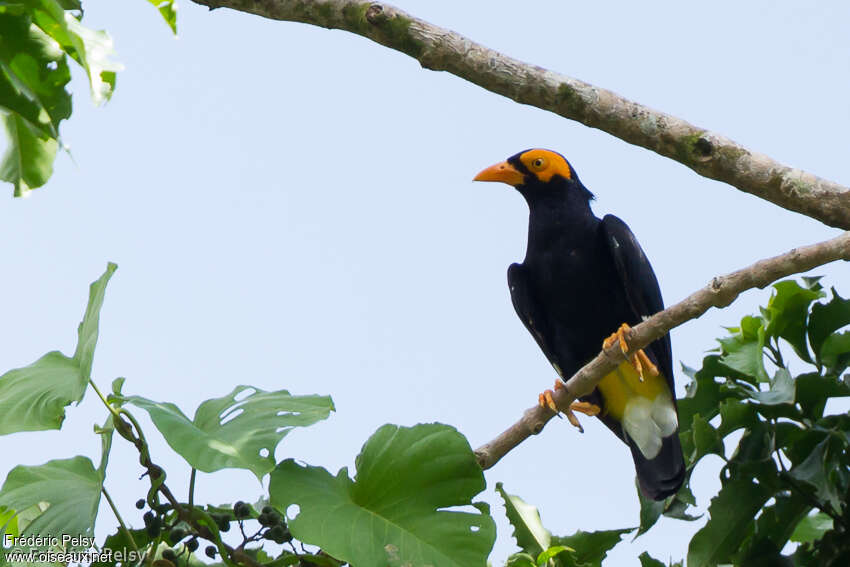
{"x": 34, "y": 398}
{"x": 234, "y": 433}
{"x": 398, "y": 510}
{"x": 70, "y": 488}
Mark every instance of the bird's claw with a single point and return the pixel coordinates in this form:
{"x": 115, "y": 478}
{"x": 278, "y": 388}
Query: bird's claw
{"x": 639, "y": 359}
{"x": 545, "y": 400}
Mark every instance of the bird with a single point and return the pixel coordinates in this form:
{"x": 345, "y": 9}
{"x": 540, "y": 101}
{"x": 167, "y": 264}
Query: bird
{"x": 583, "y": 282}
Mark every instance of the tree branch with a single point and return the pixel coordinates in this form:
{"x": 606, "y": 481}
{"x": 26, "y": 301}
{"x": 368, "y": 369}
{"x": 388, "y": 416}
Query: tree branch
{"x": 707, "y": 153}
{"x": 720, "y": 292}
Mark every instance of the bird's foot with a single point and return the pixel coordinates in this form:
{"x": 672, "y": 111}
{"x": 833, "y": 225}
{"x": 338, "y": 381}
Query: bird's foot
{"x": 545, "y": 400}
{"x": 639, "y": 359}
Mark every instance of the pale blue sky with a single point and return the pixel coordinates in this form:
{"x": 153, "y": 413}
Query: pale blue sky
{"x": 292, "y": 207}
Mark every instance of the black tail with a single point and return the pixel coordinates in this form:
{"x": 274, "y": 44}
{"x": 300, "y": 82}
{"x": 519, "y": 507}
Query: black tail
{"x": 662, "y": 476}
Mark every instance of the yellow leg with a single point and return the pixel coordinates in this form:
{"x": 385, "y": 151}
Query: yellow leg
{"x": 639, "y": 359}
{"x": 545, "y": 400}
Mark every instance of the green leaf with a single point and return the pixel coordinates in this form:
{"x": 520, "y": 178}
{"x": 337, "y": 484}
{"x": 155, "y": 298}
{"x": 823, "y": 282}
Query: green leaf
{"x": 826, "y": 318}
{"x": 742, "y": 350}
{"x": 706, "y": 439}
{"x": 734, "y": 415}
{"x": 91, "y": 49}
{"x": 773, "y": 528}
{"x": 33, "y": 76}
{"x": 818, "y": 470}
{"x": 787, "y": 312}
{"x": 397, "y": 510}
{"x": 34, "y": 398}
{"x": 646, "y": 560}
{"x": 650, "y": 511}
{"x": 529, "y": 533}
{"x": 520, "y": 560}
{"x": 732, "y": 512}
{"x": 835, "y": 352}
{"x": 813, "y": 390}
{"x": 811, "y": 528}
{"x": 590, "y": 547}
{"x": 88, "y": 328}
{"x": 28, "y": 161}
{"x": 231, "y": 433}
{"x": 781, "y": 390}
{"x": 70, "y": 487}
{"x": 702, "y": 393}
{"x": 123, "y": 551}
{"x": 168, "y": 11}
{"x": 551, "y": 553}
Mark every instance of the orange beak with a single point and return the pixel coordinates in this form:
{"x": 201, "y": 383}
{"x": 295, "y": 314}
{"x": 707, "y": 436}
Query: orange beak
{"x": 503, "y": 172}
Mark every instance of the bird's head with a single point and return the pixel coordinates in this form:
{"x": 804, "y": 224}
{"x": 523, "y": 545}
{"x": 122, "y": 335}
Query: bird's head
{"x": 537, "y": 174}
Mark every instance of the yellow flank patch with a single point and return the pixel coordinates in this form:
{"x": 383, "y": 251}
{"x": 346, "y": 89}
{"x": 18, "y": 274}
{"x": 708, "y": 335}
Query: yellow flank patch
{"x": 545, "y": 164}
{"x": 618, "y": 387}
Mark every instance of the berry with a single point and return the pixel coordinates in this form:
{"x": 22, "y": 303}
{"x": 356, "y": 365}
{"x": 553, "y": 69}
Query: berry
{"x": 140, "y": 503}
{"x": 176, "y": 535}
{"x": 241, "y": 510}
{"x": 169, "y": 554}
{"x": 210, "y": 551}
{"x": 192, "y": 544}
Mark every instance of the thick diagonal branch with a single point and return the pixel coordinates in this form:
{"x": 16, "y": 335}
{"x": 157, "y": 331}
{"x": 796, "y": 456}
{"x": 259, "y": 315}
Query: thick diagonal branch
{"x": 707, "y": 153}
{"x": 720, "y": 292}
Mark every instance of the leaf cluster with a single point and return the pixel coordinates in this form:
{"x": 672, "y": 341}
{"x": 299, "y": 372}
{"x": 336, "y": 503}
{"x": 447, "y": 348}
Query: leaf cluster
{"x": 786, "y": 470}
{"x": 38, "y": 41}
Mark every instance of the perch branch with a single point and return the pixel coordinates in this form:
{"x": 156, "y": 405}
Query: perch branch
{"x": 707, "y": 153}
{"x": 720, "y": 292}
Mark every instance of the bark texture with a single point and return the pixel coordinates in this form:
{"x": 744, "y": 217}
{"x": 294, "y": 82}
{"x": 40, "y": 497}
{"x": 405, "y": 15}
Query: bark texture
{"x": 707, "y": 153}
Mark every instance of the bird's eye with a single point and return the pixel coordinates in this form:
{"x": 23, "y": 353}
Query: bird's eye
{"x": 538, "y": 163}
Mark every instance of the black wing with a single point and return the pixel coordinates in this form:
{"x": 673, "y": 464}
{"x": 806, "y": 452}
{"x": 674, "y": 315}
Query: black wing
{"x": 536, "y": 321}
{"x": 640, "y": 284}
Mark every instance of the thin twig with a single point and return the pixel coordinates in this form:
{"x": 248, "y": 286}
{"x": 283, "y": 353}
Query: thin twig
{"x": 720, "y": 292}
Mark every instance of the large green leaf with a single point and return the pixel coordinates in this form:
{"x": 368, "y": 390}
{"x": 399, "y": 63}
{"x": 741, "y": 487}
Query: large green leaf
{"x": 732, "y": 512}
{"x": 591, "y": 548}
{"x": 529, "y": 533}
{"x": 34, "y": 398}
{"x": 397, "y": 511}
{"x": 70, "y": 488}
{"x": 234, "y": 433}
